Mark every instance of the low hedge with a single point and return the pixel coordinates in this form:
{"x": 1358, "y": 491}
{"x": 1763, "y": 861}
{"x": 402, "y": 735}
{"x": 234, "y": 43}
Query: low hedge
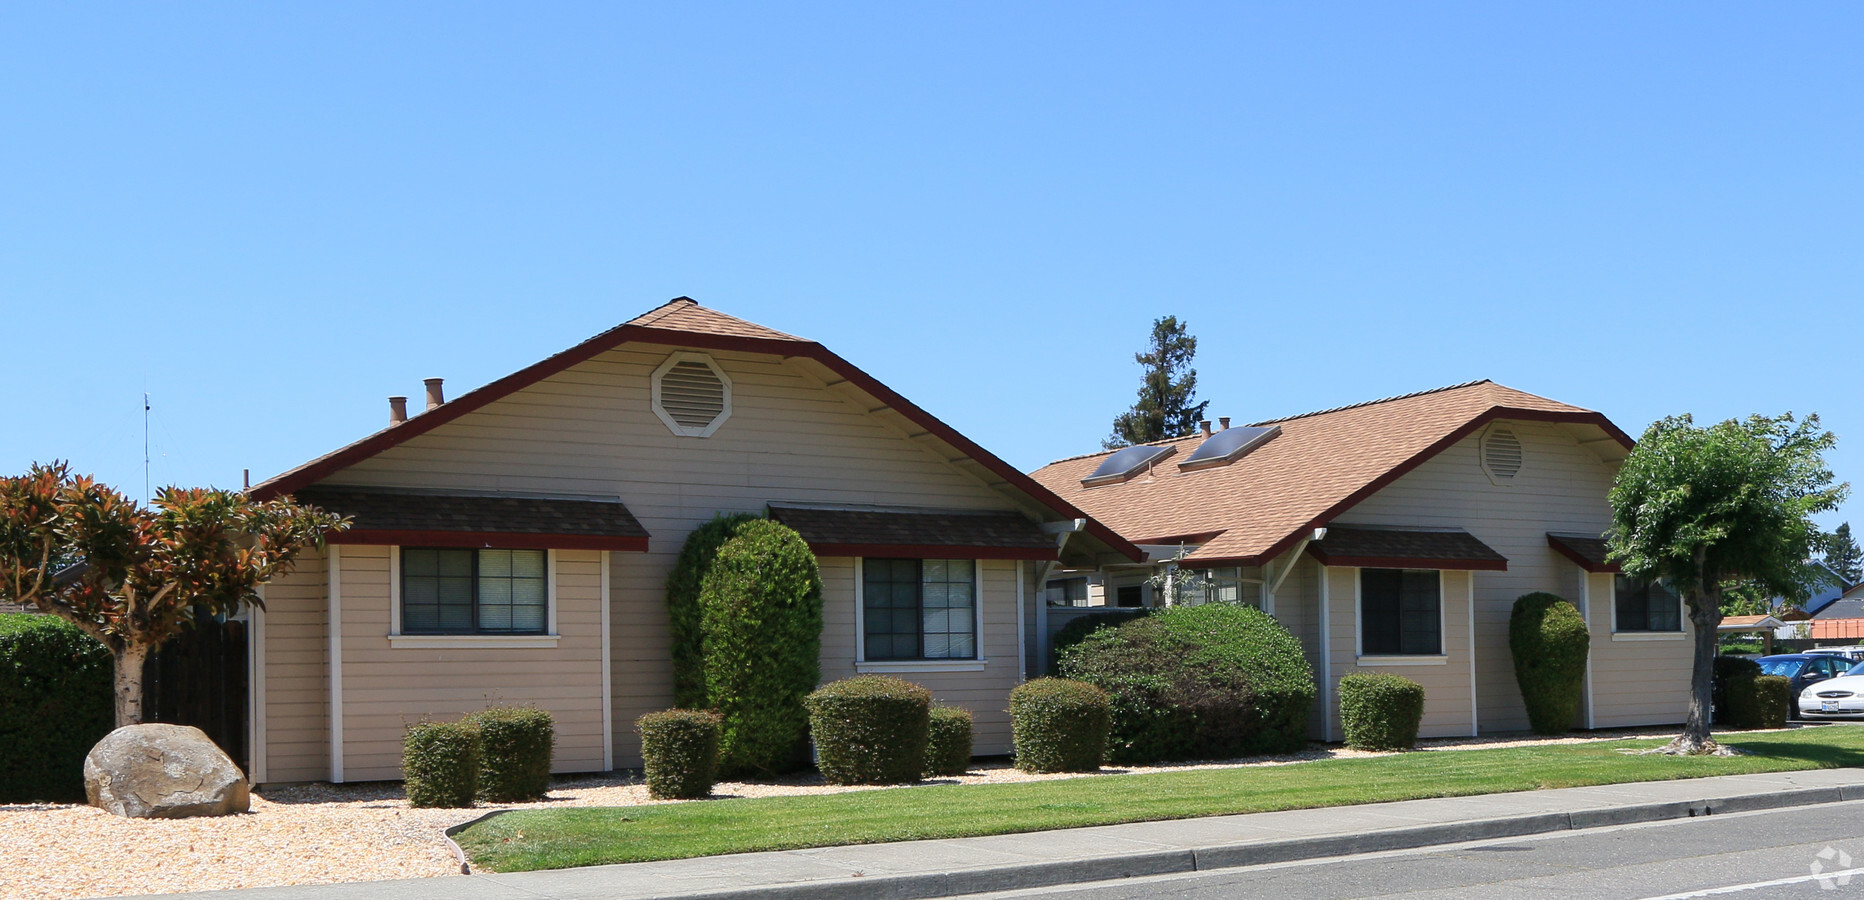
{"x": 440, "y": 761}
{"x": 1380, "y": 711}
{"x": 1549, "y": 641}
{"x": 870, "y": 729}
{"x": 1059, "y": 725}
{"x": 1733, "y": 672}
{"x": 680, "y": 750}
{"x": 55, "y": 704}
{"x": 1773, "y": 699}
{"x": 515, "y": 745}
{"x": 948, "y": 742}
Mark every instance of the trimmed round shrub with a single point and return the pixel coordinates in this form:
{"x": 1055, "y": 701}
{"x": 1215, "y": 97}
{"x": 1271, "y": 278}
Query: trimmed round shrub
{"x": 948, "y": 741}
{"x": 680, "y": 750}
{"x": 55, "y": 705}
{"x": 1773, "y": 698}
{"x": 1734, "y": 673}
{"x": 1549, "y": 640}
{"x": 1059, "y": 725}
{"x": 515, "y": 744}
{"x": 761, "y": 628}
{"x": 440, "y": 761}
{"x": 1079, "y": 628}
{"x": 683, "y": 611}
{"x": 870, "y": 729}
{"x": 1380, "y": 711}
{"x": 1215, "y": 681}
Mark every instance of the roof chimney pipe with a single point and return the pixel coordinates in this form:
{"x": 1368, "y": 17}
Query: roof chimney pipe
{"x": 397, "y": 410}
{"x": 1205, "y": 427}
{"x": 434, "y": 397}
{"x": 1223, "y": 423}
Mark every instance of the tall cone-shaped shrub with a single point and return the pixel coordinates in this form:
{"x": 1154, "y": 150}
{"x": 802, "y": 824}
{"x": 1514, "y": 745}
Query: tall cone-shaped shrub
{"x": 1548, "y": 638}
{"x": 760, "y": 624}
{"x": 683, "y": 606}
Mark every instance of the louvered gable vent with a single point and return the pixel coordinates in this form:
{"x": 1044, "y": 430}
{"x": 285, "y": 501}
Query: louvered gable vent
{"x": 692, "y": 395}
{"x": 1501, "y": 454}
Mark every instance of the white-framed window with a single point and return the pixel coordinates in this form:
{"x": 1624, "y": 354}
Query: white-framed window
{"x": 1066, "y": 592}
{"x": 691, "y": 394}
{"x": 919, "y": 609}
{"x": 1400, "y": 612}
{"x": 1647, "y": 607}
{"x": 454, "y": 596}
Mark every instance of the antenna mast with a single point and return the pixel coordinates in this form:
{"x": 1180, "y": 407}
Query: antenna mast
{"x": 146, "y": 498}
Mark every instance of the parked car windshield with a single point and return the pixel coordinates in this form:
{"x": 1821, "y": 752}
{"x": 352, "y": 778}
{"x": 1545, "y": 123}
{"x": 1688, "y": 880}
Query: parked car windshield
{"x": 1856, "y": 670}
{"x": 1785, "y": 668}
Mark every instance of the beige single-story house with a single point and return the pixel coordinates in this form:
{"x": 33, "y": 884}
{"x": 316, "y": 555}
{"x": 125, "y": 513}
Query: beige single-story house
{"x": 1392, "y": 536}
{"x": 511, "y": 546}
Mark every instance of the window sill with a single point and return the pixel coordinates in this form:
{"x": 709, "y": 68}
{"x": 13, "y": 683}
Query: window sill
{"x": 1647, "y": 635}
{"x": 920, "y": 665}
{"x": 475, "y": 641}
{"x": 1419, "y": 660}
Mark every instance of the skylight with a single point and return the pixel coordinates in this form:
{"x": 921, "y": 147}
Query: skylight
{"x": 1126, "y": 463}
{"x": 1228, "y": 446}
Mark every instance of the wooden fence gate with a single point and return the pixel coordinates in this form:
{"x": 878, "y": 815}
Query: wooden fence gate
{"x": 199, "y": 679}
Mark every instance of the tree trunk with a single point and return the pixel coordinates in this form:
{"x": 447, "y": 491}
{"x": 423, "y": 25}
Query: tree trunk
{"x": 1705, "y": 613}
{"x": 129, "y": 662}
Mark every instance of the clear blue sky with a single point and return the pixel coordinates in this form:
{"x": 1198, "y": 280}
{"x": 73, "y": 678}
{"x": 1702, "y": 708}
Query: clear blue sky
{"x": 271, "y": 216}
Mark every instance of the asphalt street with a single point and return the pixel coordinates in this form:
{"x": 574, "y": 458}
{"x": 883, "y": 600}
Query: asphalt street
{"x": 1815, "y": 851}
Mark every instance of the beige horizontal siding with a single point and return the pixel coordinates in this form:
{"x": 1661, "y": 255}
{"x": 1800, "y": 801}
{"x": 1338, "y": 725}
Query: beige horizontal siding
{"x": 1635, "y": 682}
{"x": 1562, "y": 487}
{"x": 1446, "y": 686}
{"x": 297, "y": 674}
{"x": 386, "y": 689}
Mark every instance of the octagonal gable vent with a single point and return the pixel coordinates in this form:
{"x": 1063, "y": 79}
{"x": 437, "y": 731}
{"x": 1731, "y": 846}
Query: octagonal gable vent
{"x": 692, "y": 395}
{"x": 1501, "y": 454}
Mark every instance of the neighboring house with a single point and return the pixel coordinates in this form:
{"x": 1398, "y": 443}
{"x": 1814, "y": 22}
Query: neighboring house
{"x": 1828, "y": 603}
{"x": 511, "y": 546}
{"x": 1837, "y": 620}
{"x": 1394, "y": 536}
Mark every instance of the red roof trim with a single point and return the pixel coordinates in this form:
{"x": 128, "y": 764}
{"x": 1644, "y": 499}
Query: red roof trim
{"x": 1444, "y": 443}
{"x": 924, "y": 551}
{"x": 325, "y": 466}
{"x": 502, "y": 541}
{"x": 1609, "y": 568}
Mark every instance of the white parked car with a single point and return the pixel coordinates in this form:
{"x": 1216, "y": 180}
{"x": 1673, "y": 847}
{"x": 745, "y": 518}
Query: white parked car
{"x": 1835, "y": 698}
{"x": 1855, "y": 653}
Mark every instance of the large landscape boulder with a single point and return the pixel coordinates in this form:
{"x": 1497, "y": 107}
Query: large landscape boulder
{"x": 157, "y": 771}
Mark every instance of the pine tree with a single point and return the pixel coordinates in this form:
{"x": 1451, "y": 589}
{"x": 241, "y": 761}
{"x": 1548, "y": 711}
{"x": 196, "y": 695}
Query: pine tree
{"x": 1164, "y": 408}
{"x": 1843, "y": 556}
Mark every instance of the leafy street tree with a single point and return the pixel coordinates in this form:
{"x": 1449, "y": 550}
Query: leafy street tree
{"x": 1164, "y": 408}
{"x": 1843, "y": 556}
{"x": 131, "y": 577}
{"x": 1702, "y": 507}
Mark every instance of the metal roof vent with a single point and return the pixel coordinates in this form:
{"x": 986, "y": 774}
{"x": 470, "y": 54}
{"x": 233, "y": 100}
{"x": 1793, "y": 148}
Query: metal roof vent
{"x": 1501, "y": 455}
{"x": 692, "y": 395}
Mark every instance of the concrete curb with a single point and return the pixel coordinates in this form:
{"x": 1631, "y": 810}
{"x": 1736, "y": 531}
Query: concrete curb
{"x": 1132, "y": 865}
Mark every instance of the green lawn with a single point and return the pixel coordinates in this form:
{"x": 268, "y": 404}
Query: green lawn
{"x": 562, "y": 838}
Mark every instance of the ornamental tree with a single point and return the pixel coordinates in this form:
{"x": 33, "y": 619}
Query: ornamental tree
{"x": 131, "y": 576}
{"x": 1706, "y": 507}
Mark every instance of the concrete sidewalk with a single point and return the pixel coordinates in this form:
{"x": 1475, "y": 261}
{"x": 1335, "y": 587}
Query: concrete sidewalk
{"x": 919, "y": 869}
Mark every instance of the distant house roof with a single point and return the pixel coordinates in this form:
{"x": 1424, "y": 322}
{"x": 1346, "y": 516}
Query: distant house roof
{"x": 1319, "y": 466}
{"x": 1748, "y": 623}
{"x": 1840, "y": 609}
{"x": 1589, "y": 551}
{"x": 1399, "y": 548}
{"x": 916, "y": 533}
{"x": 682, "y": 322}
{"x": 452, "y": 520}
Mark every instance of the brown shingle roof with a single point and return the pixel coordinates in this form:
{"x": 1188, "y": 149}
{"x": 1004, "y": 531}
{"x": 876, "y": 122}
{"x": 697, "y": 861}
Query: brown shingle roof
{"x": 1320, "y": 466}
{"x": 449, "y": 520}
{"x": 864, "y": 532}
{"x": 1589, "y": 551}
{"x": 685, "y": 314}
{"x": 1352, "y": 545}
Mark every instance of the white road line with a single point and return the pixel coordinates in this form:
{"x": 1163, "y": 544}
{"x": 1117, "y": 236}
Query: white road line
{"x": 1738, "y": 888}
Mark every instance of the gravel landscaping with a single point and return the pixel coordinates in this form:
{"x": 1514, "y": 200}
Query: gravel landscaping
{"x": 321, "y": 834}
